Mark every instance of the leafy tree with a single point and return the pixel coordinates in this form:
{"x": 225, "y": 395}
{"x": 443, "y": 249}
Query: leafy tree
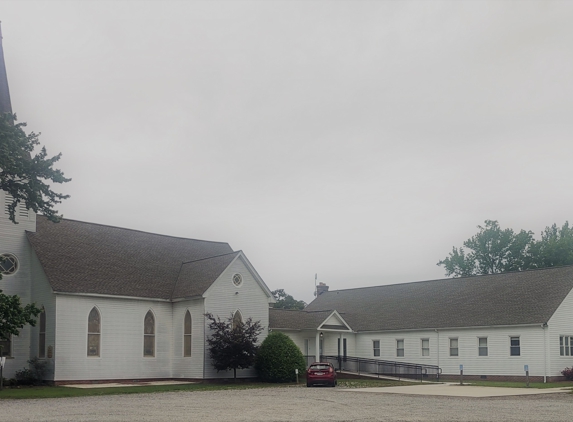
{"x": 555, "y": 247}
{"x": 286, "y": 301}
{"x": 278, "y": 357}
{"x": 233, "y": 344}
{"x": 13, "y": 316}
{"x": 25, "y": 177}
{"x": 492, "y": 250}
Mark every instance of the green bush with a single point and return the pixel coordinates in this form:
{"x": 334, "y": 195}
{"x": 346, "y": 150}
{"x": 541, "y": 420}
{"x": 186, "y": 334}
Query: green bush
{"x": 277, "y": 359}
{"x": 32, "y": 375}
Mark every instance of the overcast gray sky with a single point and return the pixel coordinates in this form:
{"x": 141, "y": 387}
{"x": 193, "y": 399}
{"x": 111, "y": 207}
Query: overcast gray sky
{"x": 356, "y": 140}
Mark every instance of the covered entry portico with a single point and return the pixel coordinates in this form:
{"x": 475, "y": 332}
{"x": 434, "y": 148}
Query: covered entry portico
{"x": 332, "y": 336}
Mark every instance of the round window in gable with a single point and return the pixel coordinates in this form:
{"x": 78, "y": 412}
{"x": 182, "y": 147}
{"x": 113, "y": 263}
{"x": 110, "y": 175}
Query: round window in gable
{"x": 237, "y": 280}
{"x": 8, "y": 264}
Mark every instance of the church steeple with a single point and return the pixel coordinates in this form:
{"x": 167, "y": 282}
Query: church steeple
{"x": 5, "y": 104}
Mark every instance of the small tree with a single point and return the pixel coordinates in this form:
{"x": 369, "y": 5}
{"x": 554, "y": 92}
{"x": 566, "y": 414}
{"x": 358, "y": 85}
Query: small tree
{"x": 233, "y": 344}
{"x": 278, "y": 357}
{"x": 13, "y": 317}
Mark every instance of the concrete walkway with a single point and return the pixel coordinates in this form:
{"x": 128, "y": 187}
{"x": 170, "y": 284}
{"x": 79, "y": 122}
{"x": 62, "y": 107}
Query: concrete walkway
{"x": 456, "y": 390}
{"x": 126, "y": 384}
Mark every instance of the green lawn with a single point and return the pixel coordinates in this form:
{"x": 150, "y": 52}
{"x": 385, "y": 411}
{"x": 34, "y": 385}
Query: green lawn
{"x": 57, "y": 392}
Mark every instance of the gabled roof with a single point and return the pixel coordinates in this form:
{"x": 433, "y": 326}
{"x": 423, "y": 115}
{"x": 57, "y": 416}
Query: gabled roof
{"x": 518, "y": 298}
{"x": 197, "y": 276}
{"x": 88, "y": 258}
{"x": 295, "y": 319}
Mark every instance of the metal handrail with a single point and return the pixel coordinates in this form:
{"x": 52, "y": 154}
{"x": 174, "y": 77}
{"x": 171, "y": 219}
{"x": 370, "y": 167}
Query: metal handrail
{"x": 381, "y": 367}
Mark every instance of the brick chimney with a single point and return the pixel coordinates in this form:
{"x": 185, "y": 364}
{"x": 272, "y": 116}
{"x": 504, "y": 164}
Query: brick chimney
{"x": 321, "y": 288}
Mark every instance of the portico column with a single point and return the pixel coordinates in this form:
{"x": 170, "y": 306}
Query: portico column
{"x": 317, "y": 349}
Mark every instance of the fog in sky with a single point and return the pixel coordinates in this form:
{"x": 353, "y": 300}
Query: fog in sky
{"x": 356, "y": 140}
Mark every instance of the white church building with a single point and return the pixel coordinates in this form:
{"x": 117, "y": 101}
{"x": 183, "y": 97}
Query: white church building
{"x": 120, "y": 303}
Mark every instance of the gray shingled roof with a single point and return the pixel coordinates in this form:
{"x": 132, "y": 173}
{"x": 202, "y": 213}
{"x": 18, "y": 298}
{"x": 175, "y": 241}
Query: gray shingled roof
{"x": 80, "y": 257}
{"x": 528, "y": 297}
{"x": 294, "y": 319}
{"x": 195, "y": 277}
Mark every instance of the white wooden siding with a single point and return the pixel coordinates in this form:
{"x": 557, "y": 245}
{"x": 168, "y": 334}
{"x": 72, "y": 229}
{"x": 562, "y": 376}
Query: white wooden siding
{"x": 121, "y": 347}
{"x": 192, "y": 366}
{"x": 13, "y": 240}
{"x": 223, "y": 298}
{"x": 498, "y": 361}
{"x": 560, "y": 324}
{"x": 43, "y": 296}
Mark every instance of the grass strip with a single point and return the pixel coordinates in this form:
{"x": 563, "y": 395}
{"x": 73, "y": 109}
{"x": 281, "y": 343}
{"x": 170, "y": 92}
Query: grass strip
{"x": 47, "y": 392}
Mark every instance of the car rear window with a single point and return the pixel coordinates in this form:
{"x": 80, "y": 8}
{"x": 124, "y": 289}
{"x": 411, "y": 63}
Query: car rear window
{"x": 319, "y": 367}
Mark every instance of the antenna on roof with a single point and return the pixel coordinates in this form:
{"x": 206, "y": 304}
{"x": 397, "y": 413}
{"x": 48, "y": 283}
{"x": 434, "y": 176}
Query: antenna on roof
{"x": 315, "y": 277}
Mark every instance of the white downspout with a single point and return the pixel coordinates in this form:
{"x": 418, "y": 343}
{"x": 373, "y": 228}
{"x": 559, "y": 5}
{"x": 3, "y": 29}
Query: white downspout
{"x": 543, "y": 327}
{"x": 438, "y": 363}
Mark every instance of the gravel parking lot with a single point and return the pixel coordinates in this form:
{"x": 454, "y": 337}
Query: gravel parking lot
{"x": 289, "y": 404}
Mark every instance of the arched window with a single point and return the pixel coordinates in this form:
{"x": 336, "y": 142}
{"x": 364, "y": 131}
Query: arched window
{"x": 237, "y": 319}
{"x": 42, "y": 335}
{"x": 187, "y": 335}
{"x": 149, "y": 335}
{"x": 94, "y": 332}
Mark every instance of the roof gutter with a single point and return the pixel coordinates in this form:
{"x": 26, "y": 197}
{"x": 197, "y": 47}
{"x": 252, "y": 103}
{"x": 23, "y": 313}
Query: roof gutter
{"x": 450, "y": 328}
{"x": 153, "y": 299}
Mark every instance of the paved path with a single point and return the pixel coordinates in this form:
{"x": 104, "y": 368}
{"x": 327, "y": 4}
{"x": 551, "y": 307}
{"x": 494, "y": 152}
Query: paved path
{"x": 457, "y": 390}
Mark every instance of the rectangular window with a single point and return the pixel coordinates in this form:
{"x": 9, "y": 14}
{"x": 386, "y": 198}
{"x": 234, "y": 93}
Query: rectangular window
{"x": 566, "y": 345}
{"x": 400, "y": 347}
{"x": 425, "y": 347}
{"x": 514, "y": 347}
{"x": 482, "y": 346}
{"x": 5, "y": 348}
{"x": 376, "y": 348}
{"x": 454, "y": 351}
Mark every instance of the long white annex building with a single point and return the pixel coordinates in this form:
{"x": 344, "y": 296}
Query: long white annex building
{"x": 493, "y": 325}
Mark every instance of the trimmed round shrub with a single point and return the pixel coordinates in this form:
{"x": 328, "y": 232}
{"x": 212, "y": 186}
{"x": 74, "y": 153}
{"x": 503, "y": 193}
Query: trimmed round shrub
{"x": 277, "y": 359}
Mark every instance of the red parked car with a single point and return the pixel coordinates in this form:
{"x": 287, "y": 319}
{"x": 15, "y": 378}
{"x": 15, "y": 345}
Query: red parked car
{"x": 321, "y": 373}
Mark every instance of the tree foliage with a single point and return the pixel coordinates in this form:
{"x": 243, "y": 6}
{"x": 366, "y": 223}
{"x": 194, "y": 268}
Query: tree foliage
{"x": 233, "y": 347}
{"x": 286, "y": 301}
{"x": 555, "y": 247}
{"x": 278, "y": 357}
{"x": 496, "y": 250}
{"x": 24, "y": 176}
{"x": 13, "y": 316}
